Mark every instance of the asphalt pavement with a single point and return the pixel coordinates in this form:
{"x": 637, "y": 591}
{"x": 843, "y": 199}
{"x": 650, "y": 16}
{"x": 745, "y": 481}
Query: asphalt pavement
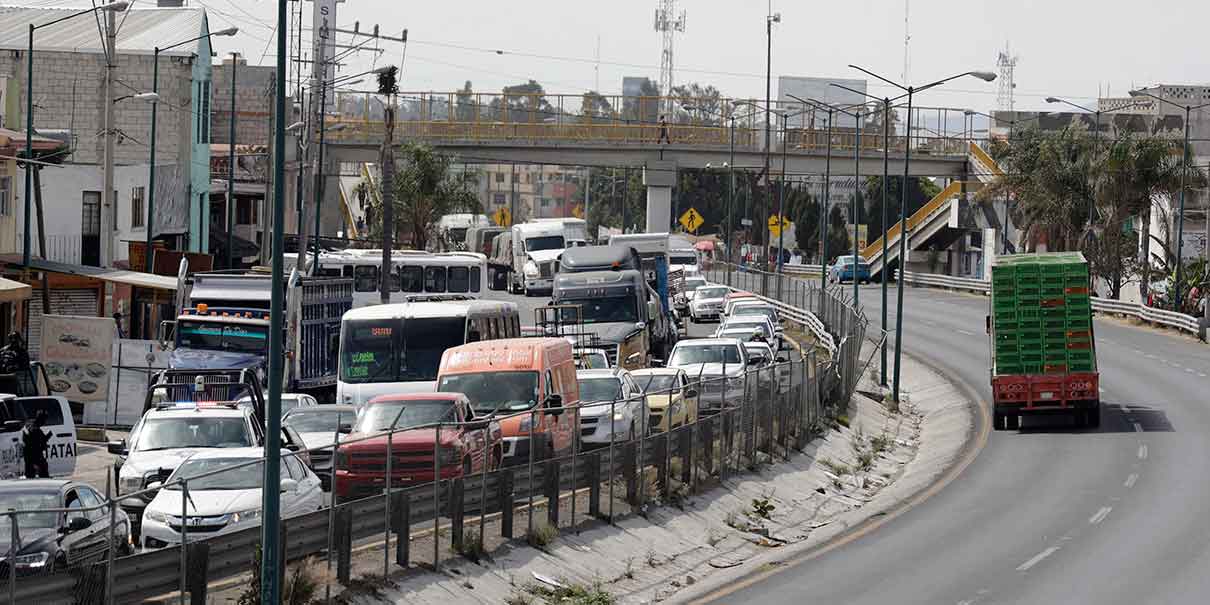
{"x": 1047, "y": 514}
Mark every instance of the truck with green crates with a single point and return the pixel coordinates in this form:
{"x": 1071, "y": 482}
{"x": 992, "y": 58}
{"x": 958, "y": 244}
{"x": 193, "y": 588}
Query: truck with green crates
{"x": 1043, "y": 350}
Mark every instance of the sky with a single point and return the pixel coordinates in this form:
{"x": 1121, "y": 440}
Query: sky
{"x": 1070, "y": 49}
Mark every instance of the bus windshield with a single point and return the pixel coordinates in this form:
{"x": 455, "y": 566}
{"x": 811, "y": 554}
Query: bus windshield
{"x": 211, "y": 336}
{"x": 393, "y": 350}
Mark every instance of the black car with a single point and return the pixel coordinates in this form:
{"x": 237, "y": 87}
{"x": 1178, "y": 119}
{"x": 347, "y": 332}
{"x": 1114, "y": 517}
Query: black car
{"x": 49, "y": 542}
{"x": 316, "y": 426}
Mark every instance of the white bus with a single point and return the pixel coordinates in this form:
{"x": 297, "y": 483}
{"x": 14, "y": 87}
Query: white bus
{"x": 416, "y": 275}
{"x": 388, "y": 349}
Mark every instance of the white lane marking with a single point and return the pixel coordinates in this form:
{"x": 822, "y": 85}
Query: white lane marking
{"x": 1190, "y": 370}
{"x": 1130, "y": 481}
{"x": 1037, "y": 558}
{"x": 1138, "y": 428}
{"x": 1143, "y": 451}
{"x": 1100, "y": 516}
{"x": 964, "y": 332}
{"x": 1201, "y": 374}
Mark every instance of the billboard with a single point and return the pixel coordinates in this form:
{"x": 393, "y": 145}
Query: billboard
{"x": 820, "y": 89}
{"x": 77, "y": 353}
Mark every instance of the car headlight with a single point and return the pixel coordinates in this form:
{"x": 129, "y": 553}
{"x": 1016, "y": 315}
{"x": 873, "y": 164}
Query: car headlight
{"x": 155, "y": 515}
{"x": 129, "y": 485}
{"x": 530, "y": 269}
{"x": 619, "y": 415}
{"x": 246, "y": 516}
{"x": 33, "y": 561}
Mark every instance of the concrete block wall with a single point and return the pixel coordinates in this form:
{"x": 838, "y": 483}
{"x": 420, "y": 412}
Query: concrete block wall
{"x": 68, "y": 95}
{"x": 253, "y": 103}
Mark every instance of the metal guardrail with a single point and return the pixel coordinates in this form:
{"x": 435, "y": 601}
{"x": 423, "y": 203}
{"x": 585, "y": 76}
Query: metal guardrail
{"x": 1171, "y": 319}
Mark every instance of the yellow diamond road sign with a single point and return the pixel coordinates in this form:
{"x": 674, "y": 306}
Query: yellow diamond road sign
{"x": 777, "y": 223}
{"x": 503, "y": 217}
{"x": 691, "y": 220}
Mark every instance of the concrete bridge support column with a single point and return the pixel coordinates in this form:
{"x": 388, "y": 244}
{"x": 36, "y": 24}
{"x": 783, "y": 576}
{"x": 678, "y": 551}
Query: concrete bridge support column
{"x": 660, "y": 178}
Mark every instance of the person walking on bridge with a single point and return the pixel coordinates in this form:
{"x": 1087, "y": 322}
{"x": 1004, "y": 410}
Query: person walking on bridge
{"x": 664, "y": 131}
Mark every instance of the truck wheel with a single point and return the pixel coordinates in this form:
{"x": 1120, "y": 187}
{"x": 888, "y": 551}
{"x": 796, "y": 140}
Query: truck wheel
{"x": 1092, "y": 416}
{"x": 998, "y": 423}
{"x": 466, "y": 467}
{"x": 1012, "y": 422}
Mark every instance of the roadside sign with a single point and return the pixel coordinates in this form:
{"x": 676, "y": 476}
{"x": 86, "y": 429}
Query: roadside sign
{"x": 691, "y": 220}
{"x": 777, "y": 223}
{"x": 503, "y": 217}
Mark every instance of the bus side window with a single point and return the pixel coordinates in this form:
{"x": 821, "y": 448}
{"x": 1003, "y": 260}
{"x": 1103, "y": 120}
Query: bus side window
{"x": 413, "y": 278}
{"x": 474, "y": 330}
{"x": 329, "y": 271}
{"x": 346, "y": 271}
{"x": 516, "y": 326}
{"x": 497, "y": 328}
{"x": 365, "y": 278}
{"x": 476, "y": 278}
{"x": 459, "y": 279}
{"x": 434, "y": 279}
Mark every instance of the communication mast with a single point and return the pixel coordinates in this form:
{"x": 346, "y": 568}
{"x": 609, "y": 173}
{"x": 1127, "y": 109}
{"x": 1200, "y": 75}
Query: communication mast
{"x": 1007, "y": 64}
{"x": 907, "y": 40}
{"x": 668, "y": 23}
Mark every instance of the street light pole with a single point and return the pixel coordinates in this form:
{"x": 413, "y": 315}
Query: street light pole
{"x": 270, "y": 588}
{"x": 231, "y": 161}
{"x": 763, "y": 229}
{"x": 909, "y": 91}
{"x": 886, "y": 166}
{"x": 856, "y": 200}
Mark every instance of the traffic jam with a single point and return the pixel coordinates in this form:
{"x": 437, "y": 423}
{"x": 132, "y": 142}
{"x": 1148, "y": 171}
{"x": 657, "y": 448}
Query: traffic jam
{"x": 448, "y": 379}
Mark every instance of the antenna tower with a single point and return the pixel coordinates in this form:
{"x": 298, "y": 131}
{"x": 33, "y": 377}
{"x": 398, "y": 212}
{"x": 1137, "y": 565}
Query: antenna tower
{"x": 1007, "y": 64}
{"x": 668, "y": 23}
{"x": 907, "y": 39}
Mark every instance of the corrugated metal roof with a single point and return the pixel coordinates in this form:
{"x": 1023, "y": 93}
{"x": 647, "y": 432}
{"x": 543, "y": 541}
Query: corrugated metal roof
{"x": 139, "y": 30}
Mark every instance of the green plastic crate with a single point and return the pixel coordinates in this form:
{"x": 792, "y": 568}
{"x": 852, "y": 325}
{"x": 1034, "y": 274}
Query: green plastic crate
{"x": 1005, "y": 315}
{"x": 1076, "y": 270}
{"x": 1029, "y": 324}
{"x": 1027, "y": 313}
{"x": 1025, "y": 289}
{"x": 1081, "y": 356}
{"x": 1081, "y": 366}
{"x": 1032, "y": 368}
{"x": 1009, "y": 368}
{"x": 1029, "y": 341}
{"x": 1079, "y": 323}
{"x": 1004, "y": 304}
{"x": 1055, "y": 356}
{"x": 1082, "y": 300}
{"x": 1076, "y": 281}
{"x": 1028, "y": 357}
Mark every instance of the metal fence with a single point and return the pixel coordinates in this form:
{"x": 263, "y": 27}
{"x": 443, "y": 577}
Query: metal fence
{"x": 655, "y": 453}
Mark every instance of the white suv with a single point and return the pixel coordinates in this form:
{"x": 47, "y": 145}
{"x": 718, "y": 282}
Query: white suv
{"x": 708, "y": 303}
{"x": 166, "y": 436}
{"x": 611, "y": 406}
{"x": 719, "y": 364}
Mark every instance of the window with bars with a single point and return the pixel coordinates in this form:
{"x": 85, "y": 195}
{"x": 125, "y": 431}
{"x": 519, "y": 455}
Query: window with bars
{"x": 90, "y": 213}
{"x": 6, "y": 195}
{"x": 137, "y": 212}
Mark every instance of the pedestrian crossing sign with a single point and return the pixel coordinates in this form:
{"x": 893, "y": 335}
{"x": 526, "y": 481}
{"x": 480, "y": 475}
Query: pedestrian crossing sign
{"x": 691, "y": 220}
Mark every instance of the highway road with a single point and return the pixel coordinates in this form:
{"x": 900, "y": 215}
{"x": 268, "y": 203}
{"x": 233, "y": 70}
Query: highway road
{"x": 1049, "y": 514}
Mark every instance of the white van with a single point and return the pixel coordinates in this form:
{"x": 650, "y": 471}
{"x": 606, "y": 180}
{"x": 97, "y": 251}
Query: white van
{"x": 15, "y": 412}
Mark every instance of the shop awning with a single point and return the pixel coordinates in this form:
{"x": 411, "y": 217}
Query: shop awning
{"x": 117, "y": 276}
{"x": 13, "y": 291}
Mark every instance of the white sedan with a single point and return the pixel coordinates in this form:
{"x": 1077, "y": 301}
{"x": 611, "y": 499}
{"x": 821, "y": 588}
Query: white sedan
{"x": 228, "y": 500}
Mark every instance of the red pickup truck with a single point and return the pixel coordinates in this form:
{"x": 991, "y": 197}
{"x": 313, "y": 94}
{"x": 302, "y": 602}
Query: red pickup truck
{"x": 424, "y": 423}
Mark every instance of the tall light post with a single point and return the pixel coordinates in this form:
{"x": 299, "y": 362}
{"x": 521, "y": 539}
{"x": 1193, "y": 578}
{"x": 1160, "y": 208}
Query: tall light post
{"x": 1180, "y": 214}
{"x": 769, "y": 21}
{"x": 155, "y": 87}
{"x": 271, "y": 555}
{"x": 781, "y": 194}
{"x": 910, "y": 91}
{"x": 27, "y": 244}
{"x": 231, "y": 161}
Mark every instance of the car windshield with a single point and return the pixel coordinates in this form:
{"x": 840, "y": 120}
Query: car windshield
{"x": 494, "y": 391}
{"x": 192, "y": 432}
{"x": 545, "y": 242}
{"x": 210, "y": 336}
{"x": 592, "y": 360}
{"x": 657, "y": 383}
{"x": 616, "y": 309}
{"x": 691, "y": 354}
{"x": 384, "y": 351}
{"x": 379, "y": 416}
{"x": 228, "y": 474}
{"x": 600, "y": 389}
{"x": 711, "y": 292}
{"x": 318, "y": 421}
{"x": 683, "y": 260}
{"x": 747, "y": 328}
{"x": 694, "y": 284}
{"x": 28, "y": 500}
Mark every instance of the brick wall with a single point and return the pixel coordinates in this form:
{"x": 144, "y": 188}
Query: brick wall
{"x": 253, "y": 103}
{"x": 68, "y": 95}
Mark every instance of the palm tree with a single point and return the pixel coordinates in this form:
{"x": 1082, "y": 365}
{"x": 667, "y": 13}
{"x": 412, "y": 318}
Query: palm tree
{"x": 388, "y": 87}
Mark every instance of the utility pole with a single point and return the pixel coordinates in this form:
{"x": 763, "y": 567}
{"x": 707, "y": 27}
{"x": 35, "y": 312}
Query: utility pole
{"x": 107, "y": 194}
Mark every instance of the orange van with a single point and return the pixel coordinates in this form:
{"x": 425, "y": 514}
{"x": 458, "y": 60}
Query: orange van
{"x": 527, "y": 384}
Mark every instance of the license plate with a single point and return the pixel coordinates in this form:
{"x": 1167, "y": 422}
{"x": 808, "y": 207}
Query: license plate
{"x": 1046, "y": 396}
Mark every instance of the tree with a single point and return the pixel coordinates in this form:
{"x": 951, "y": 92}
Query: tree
{"x": 921, "y": 191}
{"x": 839, "y": 242}
{"x": 525, "y": 102}
{"x": 426, "y": 190}
{"x": 706, "y": 100}
{"x": 644, "y": 108}
{"x": 595, "y": 105}
{"x": 464, "y": 110}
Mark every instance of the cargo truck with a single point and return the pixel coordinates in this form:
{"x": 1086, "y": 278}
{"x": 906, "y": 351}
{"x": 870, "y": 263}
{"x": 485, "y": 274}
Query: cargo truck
{"x": 1043, "y": 350}
{"x": 223, "y": 323}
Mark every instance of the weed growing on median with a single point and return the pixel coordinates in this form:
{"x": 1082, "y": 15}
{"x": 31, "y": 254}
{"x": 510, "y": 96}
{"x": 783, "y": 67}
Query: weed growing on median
{"x": 303, "y": 582}
{"x": 837, "y": 468}
{"x": 572, "y": 594}
{"x": 543, "y": 535}
{"x": 470, "y": 546}
{"x": 629, "y": 573}
{"x": 881, "y": 443}
{"x": 762, "y": 507}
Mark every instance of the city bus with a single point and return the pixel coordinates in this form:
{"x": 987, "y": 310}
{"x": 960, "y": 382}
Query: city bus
{"x": 416, "y": 275}
{"x": 396, "y": 348}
